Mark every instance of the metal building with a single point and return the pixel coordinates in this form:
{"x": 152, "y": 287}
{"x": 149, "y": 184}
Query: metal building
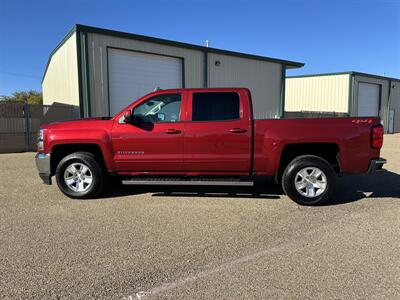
{"x": 346, "y": 93}
{"x": 101, "y": 71}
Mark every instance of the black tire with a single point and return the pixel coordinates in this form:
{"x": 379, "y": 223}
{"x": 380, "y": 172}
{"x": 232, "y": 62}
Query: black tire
{"x": 112, "y": 182}
{"x": 96, "y": 172}
{"x": 295, "y": 171}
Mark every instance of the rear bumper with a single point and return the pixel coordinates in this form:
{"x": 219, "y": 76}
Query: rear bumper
{"x": 43, "y": 166}
{"x": 376, "y": 165}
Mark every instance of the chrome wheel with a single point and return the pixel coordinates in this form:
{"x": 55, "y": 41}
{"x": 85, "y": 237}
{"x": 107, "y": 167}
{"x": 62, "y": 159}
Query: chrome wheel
{"x": 310, "y": 182}
{"x": 78, "y": 177}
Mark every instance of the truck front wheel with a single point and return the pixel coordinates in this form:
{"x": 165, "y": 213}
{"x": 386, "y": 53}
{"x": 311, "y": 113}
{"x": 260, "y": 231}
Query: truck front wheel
{"x": 309, "y": 180}
{"x": 80, "y": 176}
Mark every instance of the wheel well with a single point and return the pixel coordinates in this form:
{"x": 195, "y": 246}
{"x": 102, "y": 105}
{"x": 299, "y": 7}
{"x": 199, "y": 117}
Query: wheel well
{"x": 327, "y": 151}
{"x": 58, "y": 152}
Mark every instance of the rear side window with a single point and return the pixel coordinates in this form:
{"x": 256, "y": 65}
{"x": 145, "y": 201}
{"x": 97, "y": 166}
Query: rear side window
{"x": 215, "y": 106}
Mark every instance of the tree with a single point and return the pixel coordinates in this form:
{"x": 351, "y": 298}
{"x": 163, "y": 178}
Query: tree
{"x": 24, "y": 97}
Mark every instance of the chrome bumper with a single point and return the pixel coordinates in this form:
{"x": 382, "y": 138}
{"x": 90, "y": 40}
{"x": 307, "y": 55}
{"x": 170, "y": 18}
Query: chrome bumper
{"x": 43, "y": 165}
{"x": 376, "y": 165}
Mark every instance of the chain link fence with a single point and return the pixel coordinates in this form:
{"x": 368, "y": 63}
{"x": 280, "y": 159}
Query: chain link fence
{"x": 20, "y": 123}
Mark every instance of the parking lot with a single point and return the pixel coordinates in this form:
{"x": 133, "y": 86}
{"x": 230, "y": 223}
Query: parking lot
{"x": 199, "y": 243}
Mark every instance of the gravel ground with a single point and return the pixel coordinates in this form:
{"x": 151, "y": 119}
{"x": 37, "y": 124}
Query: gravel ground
{"x": 199, "y": 243}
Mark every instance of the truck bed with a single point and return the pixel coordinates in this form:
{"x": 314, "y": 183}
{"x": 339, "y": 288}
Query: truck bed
{"x": 352, "y": 136}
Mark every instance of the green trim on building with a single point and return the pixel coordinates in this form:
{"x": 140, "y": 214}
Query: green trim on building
{"x": 344, "y": 73}
{"x": 85, "y": 74}
{"x": 79, "y": 59}
{"x": 205, "y": 69}
{"x": 138, "y": 37}
{"x": 282, "y": 104}
{"x": 351, "y": 104}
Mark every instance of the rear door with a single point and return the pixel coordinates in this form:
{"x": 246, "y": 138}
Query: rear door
{"x": 218, "y": 133}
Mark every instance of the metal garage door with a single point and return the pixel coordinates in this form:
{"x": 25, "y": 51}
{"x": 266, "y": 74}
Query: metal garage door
{"x": 134, "y": 74}
{"x": 368, "y": 99}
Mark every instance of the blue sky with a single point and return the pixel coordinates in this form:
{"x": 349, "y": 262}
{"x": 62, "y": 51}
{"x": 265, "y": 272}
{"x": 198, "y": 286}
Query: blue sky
{"x": 329, "y": 36}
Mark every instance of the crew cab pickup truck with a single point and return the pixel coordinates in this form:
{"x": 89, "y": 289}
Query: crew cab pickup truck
{"x": 207, "y": 137}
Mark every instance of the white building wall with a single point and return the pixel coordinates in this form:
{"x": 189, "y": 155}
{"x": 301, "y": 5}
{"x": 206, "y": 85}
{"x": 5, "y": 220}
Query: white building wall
{"x": 327, "y": 93}
{"x": 60, "y": 84}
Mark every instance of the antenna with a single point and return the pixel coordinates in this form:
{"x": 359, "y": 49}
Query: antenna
{"x": 207, "y": 43}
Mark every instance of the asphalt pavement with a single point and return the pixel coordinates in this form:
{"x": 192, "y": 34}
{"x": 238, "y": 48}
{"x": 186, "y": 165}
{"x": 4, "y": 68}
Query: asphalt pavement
{"x": 199, "y": 243}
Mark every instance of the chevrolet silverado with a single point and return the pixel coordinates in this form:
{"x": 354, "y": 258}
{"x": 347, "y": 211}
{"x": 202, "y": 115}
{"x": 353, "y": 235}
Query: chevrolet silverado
{"x": 207, "y": 137}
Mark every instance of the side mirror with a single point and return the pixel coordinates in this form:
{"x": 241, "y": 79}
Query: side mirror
{"x": 128, "y": 116}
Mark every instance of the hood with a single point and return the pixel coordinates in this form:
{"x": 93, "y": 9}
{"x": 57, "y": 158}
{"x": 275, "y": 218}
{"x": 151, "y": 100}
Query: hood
{"x": 80, "y": 123}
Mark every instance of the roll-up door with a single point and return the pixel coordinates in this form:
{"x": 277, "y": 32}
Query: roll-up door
{"x": 368, "y": 99}
{"x": 133, "y": 74}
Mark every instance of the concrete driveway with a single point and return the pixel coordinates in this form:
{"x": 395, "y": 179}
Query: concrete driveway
{"x": 199, "y": 243}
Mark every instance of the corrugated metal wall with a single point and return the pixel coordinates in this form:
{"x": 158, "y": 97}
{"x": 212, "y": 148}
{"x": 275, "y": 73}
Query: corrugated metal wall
{"x": 60, "y": 85}
{"x": 261, "y": 77}
{"x": 98, "y": 72}
{"x": 328, "y": 93}
{"x": 394, "y": 104}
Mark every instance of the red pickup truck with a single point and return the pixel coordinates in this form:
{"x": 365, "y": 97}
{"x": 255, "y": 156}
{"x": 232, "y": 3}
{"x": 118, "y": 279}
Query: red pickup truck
{"x": 207, "y": 137}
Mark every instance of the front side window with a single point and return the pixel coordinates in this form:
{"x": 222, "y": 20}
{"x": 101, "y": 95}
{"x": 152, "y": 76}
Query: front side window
{"x": 158, "y": 109}
{"x": 219, "y": 106}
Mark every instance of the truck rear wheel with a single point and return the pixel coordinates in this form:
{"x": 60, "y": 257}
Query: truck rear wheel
{"x": 80, "y": 176}
{"x": 309, "y": 180}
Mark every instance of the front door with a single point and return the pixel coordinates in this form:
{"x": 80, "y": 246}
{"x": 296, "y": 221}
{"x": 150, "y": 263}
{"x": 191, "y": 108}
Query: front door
{"x": 153, "y": 141}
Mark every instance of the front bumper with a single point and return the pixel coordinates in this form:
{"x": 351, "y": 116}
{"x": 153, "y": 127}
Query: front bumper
{"x": 376, "y": 165}
{"x": 43, "y": 165}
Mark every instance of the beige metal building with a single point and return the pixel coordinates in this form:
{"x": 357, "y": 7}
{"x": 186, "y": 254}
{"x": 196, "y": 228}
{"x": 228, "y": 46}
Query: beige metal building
{"x": 347, "y": 93}
{"x": 102, "y": 71}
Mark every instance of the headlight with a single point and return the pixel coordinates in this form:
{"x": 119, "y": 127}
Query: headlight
{"x": 41, "y": 135}
{"x": 40, "y": 143}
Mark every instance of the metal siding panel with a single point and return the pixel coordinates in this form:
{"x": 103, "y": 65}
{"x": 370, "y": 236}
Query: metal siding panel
{"x": 98, "y": 65}
{"x": 60, "y": 84}
{"x": 262, "y": 78}
{"x": 395, "y": 104}
{"x": 319, "y": 93}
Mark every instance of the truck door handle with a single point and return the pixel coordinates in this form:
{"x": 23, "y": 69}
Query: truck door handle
{"x": 172, "y": 131}
{"x": 238, "y": 130}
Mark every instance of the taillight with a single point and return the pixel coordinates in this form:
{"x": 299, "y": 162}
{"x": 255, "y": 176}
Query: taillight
{"x": 377, "y": 137}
